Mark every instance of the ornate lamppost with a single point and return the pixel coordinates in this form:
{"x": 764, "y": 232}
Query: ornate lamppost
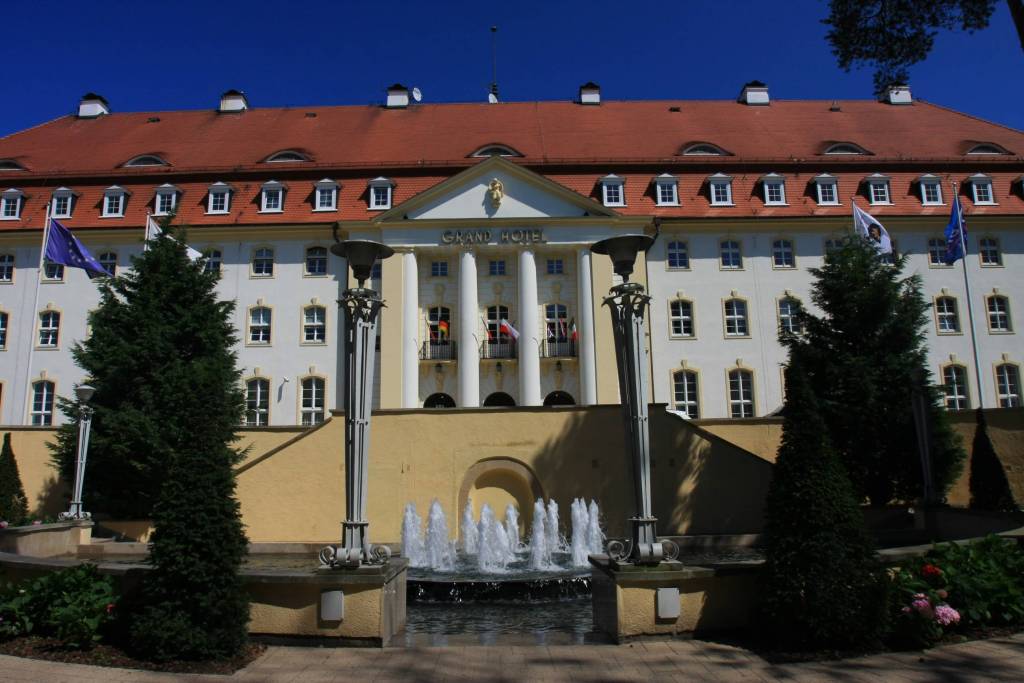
{"x": 361, "y": 308}
{"x": 628, "y": 304}
{"x": 84, "y": 393}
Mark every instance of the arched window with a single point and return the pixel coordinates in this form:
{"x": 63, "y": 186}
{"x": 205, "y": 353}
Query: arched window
{"x": 9, "y": 165}
{"x": 841, "y": 148}
{"x": 789, "y": 307}
{"x": 680, "y": 315}
{"x": 678, "y": 255}
{"x": 954, "y": 384}
{"x": 741, "y": 393}
{"x": 559, "y": 398}
{"x": 703, "y": 149}
{"x": 496, "y": 150}
{"x": 108, "y": 260}
{"x": 999, "y": 314}
{"x": 499, "y": 398}
{"x": 316, "y": 261}
{"x": 49, "y": 328}
{"x": 947, "y": 319}
{"x": 684, "y": 393}
{"x": 439, "y": 401}
{"x": 312, "y": 401}
{"x": 987, "y": 148}
{"x": 736, "y": 318}
{"x": 257, "y": 402}
{"x": 260, "y": 318}
{"x": 314, "y": 325}
{"x": 499, "y": 344}
{"x": 286, "y": 156}
{"x": 42, "y": 403}
{"x": 1008, "y": 385}
{"x": 782, "y": 254}
{"x": 146, "y": 160}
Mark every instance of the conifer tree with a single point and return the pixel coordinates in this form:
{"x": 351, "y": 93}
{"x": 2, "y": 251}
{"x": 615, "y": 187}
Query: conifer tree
{"x": 13, "y": 505}
{"x": 990, "y": 489}
{"x": 866, "y": 357}
{"x": 823, "y": 585}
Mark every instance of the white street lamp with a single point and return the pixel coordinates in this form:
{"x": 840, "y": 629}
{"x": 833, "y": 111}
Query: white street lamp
{"x": 84, "y": 394}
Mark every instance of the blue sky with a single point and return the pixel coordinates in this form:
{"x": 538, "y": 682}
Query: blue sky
{"x": 145, "y": 56}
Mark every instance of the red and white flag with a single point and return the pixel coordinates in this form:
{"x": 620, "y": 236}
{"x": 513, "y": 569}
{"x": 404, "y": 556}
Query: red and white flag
{"x": 506, "y": 328}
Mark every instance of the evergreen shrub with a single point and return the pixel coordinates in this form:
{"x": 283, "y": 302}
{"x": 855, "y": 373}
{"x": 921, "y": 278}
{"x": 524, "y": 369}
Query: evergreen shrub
{"x": 990, "y": 489}
{"x": 13, "y": 504}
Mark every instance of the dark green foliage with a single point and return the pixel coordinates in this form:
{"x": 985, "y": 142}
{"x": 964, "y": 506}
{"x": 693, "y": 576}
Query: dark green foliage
{"x": 13, "y": 505}
{"x": 989, "y": 488}
{"x": 823, "y": 586}
{"x": 985, "y": 580}
{"x": 74, "y": 605}
{"x": 893, "y": 35}
{"x": 866, "y": 356}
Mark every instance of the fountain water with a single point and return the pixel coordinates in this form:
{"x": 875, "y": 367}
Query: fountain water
{"x": 440, "y": 551}
{"x": 493, "y": 554}
{"x": 512, "y": 527}
{"x": 595, "y": 537}
{"x": 469, "y": 531}
{"x": 580, "y": 527}
{"x": 540, "y": 550}
{"x": 412, "y": 537}
{"x": 556, "y": 543}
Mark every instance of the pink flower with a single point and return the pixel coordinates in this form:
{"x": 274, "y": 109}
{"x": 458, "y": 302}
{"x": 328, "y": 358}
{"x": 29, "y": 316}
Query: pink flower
{"x": 946, "y": 615}
{"x": 923, "y": 606}
{"x": 4, "y": 524}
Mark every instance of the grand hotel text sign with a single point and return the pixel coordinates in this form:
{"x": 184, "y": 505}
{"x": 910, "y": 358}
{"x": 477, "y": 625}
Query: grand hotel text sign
{"x": 512, "y": 236}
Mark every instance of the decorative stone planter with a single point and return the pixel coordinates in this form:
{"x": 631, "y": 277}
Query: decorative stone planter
{"x": 46, "y": 540}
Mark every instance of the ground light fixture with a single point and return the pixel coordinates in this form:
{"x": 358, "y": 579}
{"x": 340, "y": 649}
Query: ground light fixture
{"x": 628, "y": 303}
{"x": 84, "y": 393}
{"x": 361, "y": 308}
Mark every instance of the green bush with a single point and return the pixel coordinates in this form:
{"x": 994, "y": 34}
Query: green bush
{"x": 73, "y": 605}
{"x": 13, "y": 506}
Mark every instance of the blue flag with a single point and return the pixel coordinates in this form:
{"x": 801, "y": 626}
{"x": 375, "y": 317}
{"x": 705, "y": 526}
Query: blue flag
{"x": 64, "y": 248}
{"x": 954, "y": 244}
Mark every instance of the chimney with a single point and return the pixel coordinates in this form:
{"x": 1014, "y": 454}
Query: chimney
{"x": 898, "y": 94}
{"x": 590, "y": 93}
{"x": 233, "y": 101}
{"x": 92, "y": 105}
{"x": 754, "y": 93}
{"x": 398, "y": 97}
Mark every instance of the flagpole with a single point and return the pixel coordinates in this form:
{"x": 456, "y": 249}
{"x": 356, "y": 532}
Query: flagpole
{"x": 35, "y": 308}
{"x": 967, "y": 289}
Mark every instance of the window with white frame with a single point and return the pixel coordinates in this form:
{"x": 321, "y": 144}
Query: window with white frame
{"x": 326, "y": 196}
{"x": 741, "y": 393}
{"x": 10, "y": 205}
{"x": 439, "y": 325}
{"x": 999, "y": 314}
{"x": 438, "y": 269}
{"x": 947, "y": 318}
{"x": 257, "y": 402}
{"x": 312, "y": 401}
{"x": 736, "y": 318}
{"x": 260, "y": 319}
{"x": 981, "y": 187}
{"x": 678, "y": 254}
{"x": 108, "y": 260}
{"x": 272, "y": 197}
{"x": 53, "y": 272}
{"x": 954, "y": 386}
{"x": 3, "y": 329}
{"x": 878, "y": 189}
{"x": 828, "y": 189}
{"x": 380, "y": 194}
{"x": 685, "y": 396}
{"x": 681, "y": 318}
{"x": 6, "y": 268}
{"x": 937, "y": 252}
{"x": 49, "y": 329}
{"x": 613, "y": 190}
{"x": 219, "y": 198}
{"x": 166, "y": 200}
{"x": 114, "y": 199}
{"x": 61, "y": 203}
{"x": 496, "y": 267}
{"x": 555, "y": 266}
{"x": 720, "y": 188}
{"x": 316, "y": 261}
{"x": 789, "y": 318}
{"x": 666, "y": 190}
{"x": 730, "y": 256}
{"x": 931, "y": 190}
{"x": 263, "y": 262}
{"x": 214, "y": 258}
{"x": 42, "y": 403}
{"x": 314, "y": 325}
{"x": 774, "y": 189}
{"x": 782, "y": 254}
{"x": 495, "y": 334}
{"x": 556, "y": 323}
{"x": 1008, "y": 385}
{"x": 988, "y": 247}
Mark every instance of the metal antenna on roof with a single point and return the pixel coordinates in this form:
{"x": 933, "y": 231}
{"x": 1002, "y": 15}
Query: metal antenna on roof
{"x": 492, "y": 95}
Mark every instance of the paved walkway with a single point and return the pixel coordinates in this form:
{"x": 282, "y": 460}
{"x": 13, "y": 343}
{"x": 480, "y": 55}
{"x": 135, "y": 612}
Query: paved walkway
{"x": 1001, "y": 659}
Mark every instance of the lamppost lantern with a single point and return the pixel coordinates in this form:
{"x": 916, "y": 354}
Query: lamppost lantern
{"x": 84, "y": 393}
{"x": 361, "y": 309}
{"x": 628, "y": 305}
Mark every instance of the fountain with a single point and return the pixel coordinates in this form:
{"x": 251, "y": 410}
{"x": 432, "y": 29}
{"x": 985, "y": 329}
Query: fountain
{"x": 412, "y": 537}
{"x": 469, "y": 534}
{"x": 440, "y": 551}
{"x": 512, "y": 527}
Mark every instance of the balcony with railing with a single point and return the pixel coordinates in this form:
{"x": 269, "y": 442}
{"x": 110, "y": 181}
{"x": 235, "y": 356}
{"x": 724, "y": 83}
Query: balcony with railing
{"x": 505, "y": 348}
{"x": 552, "y": 348}
{"x": 438, "y": 350}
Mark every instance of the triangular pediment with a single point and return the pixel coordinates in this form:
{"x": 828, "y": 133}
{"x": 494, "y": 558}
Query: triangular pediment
{"x": 498, "y": 189}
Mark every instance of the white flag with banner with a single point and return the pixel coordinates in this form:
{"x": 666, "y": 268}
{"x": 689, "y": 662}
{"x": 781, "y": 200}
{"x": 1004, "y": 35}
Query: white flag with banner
{"x": 867, "y": 226}
{"x": 153, "y": 230}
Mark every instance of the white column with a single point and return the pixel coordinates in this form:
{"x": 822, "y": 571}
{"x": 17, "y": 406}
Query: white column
{"x": 585, "y": 328}
{"x": 529, "y": 343}
{"x": 410, "y": 331}
{"x": 469, "y": 352}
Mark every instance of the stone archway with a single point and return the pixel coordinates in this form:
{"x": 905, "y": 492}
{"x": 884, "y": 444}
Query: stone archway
{"x": 500, "y": 481}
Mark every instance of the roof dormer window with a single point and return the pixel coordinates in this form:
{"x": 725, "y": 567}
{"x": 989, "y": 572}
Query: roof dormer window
{"x": 981, "y": 188}
{"x": 613, "y": 190}
{"x": 496, "y": 150}
{"x": 828, "y": 189}
{"x": 10, "y": 204}
{"x": 114, "y": 199}
{"x": 697, "y": 149}
{"x": 878, "y": 189}
{"x": 62, "y": 203}
{"x": 380, "y": 194}
{"x": 843, "y": 149}
{"x": 166, "y": 200}
{"x": 272, "y": 197}
{"x": 10, "y": 165}
{"x": 145, "y": 160}
{"x": 987, "y": 148}
{"x": 774, "y": 189}
{"x": 219, "y": 198}
{"x": 325, "y": 195}
{"x": 286, "y": 156}
{"x": 720, "y": 189}
{"x": 666, "y": 190}
{"x": 931, "y": 190}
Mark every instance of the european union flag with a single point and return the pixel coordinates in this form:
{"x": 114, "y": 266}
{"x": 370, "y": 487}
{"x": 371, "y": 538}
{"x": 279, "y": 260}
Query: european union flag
{"x": 64, "y": 248}
{"x": 954, "y": 235}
